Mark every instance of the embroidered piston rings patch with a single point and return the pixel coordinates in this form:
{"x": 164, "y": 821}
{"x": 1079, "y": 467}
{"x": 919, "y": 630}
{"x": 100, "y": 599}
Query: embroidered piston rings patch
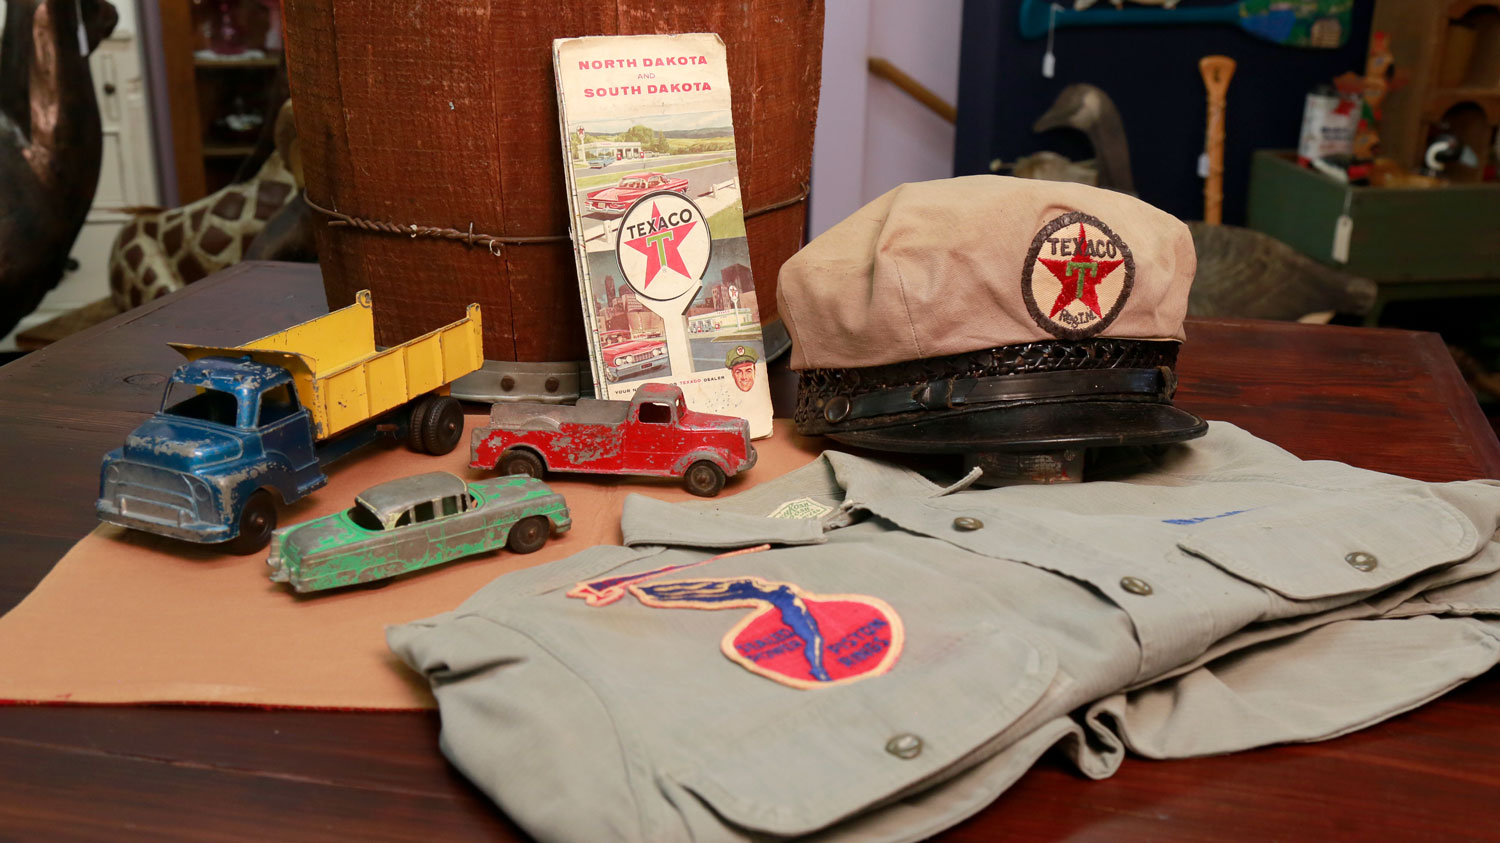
{"x": 1077, "y": 276}
{"x": 791, "y": 636}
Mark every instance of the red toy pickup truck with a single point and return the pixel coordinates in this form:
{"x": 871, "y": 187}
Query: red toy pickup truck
{"x": 654, "y": 433}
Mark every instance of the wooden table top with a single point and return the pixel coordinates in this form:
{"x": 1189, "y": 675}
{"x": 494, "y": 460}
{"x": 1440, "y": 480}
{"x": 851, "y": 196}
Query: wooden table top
{"x": 1380, "y": 399}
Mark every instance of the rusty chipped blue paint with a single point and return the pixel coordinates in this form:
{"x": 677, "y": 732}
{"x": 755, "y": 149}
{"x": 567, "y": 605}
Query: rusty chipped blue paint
{"x": 354, "y": 546}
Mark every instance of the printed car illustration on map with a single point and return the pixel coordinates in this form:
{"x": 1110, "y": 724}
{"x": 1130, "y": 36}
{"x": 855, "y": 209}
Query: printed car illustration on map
{"x": 416, "y": 522}
{"x": 615, "y": 200}
{"x": 626, "y": 356}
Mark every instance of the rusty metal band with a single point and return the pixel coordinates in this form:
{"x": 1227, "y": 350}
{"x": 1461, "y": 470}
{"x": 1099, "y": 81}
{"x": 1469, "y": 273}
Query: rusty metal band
{"x": 494, "y": 242}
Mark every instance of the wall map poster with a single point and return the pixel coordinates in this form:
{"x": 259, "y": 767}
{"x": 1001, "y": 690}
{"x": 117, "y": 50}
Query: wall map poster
{"x": 658, "y": 225}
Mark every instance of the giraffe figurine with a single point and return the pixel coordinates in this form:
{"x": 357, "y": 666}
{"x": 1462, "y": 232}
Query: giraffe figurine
{"x": 160, "y": 251}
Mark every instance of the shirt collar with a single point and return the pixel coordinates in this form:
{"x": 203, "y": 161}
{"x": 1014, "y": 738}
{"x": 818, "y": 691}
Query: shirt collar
{"x": 835, "y": 481}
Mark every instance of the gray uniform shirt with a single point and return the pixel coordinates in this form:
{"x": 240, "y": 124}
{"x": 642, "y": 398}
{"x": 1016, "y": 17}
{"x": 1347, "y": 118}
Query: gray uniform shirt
{"x": 903, "y": 652}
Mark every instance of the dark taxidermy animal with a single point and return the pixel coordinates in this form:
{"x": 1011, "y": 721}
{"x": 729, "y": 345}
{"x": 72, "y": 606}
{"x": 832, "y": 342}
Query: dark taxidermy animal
{"x": 50, "y": 142}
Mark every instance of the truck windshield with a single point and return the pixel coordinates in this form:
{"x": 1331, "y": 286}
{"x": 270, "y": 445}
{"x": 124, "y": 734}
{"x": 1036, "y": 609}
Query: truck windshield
{"x": 195, "y": 402}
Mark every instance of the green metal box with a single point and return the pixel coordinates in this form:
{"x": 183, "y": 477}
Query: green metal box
{"x": 1401, "y": 234}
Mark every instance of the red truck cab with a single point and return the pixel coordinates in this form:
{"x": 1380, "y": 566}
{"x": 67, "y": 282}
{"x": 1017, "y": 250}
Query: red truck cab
{"x": 654, "y": 433}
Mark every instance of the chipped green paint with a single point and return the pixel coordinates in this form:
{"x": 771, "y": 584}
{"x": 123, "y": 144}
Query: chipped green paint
{"x": 336, "y": 551}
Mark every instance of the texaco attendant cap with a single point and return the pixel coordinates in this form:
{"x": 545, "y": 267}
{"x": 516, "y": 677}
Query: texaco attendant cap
{"x": 988, "y": 314}
{"x": 943, "y": 267}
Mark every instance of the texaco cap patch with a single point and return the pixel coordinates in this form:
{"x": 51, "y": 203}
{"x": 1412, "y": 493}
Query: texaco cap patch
{"x": 1077, "y": 276}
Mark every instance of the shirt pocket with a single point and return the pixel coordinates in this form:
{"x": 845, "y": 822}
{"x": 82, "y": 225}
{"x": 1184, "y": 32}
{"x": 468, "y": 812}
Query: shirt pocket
{"x": 1122, "y": 571}
{"x": 840, "y": 751}
{"x": 1341, "y": 545}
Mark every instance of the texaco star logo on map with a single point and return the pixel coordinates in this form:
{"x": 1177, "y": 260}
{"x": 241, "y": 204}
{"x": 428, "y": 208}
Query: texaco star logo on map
{"x": 663, "y": 246}
{"x": 1077, "y": 277}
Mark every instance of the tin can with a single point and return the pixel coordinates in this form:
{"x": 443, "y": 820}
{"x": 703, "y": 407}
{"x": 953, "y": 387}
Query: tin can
{"x": 1328, "y": 123}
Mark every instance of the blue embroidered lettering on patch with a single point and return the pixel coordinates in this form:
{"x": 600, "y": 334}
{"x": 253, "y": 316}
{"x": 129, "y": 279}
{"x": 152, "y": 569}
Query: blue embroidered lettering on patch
{"x": 1199, "y": 520}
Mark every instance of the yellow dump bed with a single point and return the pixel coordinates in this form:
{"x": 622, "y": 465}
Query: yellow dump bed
{"x": 343, "y": 380}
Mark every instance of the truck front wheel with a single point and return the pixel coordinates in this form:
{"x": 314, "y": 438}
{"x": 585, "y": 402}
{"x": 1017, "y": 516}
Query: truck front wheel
{"x": 704, "y": 479}
{"x": 516, "y": 461}
{"x": 257, "y": 522}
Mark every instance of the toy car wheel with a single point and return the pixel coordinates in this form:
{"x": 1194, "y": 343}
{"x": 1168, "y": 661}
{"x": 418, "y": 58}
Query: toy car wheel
{"x": 529, "y": 534}
{"x": 517, "y": 461}
{"x": 703, "y": 478}
{"x": 257, "y": 522}
{"x": 442, "y": 425}
{"x": 414, "y": 425}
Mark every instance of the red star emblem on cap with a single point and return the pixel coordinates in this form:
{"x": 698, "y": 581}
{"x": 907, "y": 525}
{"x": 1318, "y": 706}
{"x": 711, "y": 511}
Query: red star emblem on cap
{"x": 661, "y": 246}
{"x": 1079, "y": 278}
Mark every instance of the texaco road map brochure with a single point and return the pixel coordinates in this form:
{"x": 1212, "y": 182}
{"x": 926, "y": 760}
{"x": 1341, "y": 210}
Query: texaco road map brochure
{"x": 658, "y": 225}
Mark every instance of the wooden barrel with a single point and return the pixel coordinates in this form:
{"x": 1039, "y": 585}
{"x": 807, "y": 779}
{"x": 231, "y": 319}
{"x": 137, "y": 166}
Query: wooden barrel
{"x": 443, "y": 114}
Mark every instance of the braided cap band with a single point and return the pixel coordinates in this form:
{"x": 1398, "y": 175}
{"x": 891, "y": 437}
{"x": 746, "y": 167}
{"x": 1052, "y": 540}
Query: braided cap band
{"x": 831, "y": 401}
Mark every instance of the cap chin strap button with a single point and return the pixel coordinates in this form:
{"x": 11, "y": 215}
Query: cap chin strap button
{"x": 836, "y": 410}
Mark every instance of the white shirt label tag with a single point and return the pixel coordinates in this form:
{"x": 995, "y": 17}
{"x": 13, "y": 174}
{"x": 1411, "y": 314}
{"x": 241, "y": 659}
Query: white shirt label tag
{"x": 801, "y": 508}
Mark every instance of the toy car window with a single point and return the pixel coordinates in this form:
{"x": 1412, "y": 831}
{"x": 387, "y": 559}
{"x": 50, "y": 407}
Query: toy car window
{"x": 364, "y": 518}
{"x": 451, "y": 505}
{"x": 276, "y": 404}
{"x": 654, "y": 413}
{"x": 423, "y": 512}
{"x": 404, "y": 520}
{"x": 201, "y": 403}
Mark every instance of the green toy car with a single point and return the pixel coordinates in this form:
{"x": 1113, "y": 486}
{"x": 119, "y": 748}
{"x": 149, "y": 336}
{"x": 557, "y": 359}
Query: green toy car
{"x": 413, "y": 523}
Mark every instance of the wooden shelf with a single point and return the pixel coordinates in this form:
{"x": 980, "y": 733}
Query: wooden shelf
{"x": 203, "y": 87}
{"x": 227, "y": 150}
{"x": 1467, "y": 92}
{"x": 269, "y": 62}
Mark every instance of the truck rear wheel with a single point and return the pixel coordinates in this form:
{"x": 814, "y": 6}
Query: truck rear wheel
{"x": 442, "y": 425}
{"x": 414, "y": 424}
{"x": 257, "y": 522}
{"x": 518, "y": 461}
{"x": 704, "y": 479}
{"x": 529, "y": 534}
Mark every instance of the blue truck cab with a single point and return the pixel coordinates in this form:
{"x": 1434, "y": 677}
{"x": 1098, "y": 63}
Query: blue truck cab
{"x": 228, "y": 430}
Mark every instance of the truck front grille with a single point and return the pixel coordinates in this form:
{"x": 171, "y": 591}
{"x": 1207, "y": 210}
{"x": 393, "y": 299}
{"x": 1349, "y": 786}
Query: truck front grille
{"x": 154, "y": 494}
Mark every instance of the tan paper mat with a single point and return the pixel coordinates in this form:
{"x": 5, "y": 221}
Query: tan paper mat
{"x": 127, "y": 617}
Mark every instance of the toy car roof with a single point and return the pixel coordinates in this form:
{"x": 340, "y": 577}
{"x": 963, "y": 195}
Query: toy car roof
{"x": 392, "y": 497}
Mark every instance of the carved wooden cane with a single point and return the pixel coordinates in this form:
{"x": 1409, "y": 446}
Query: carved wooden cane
{"x": 1216, "y": 72}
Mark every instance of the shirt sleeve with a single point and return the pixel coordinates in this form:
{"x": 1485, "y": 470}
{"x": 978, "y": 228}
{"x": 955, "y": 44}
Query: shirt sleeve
{"x": 1316, "y": 685}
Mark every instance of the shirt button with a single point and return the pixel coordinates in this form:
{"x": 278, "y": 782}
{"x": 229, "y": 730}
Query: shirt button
{"x": 1362, "y": 561}
{"x": 904, "y": 746}
{"x": 1135, "y": 585}
{"x": 967, "y": 524}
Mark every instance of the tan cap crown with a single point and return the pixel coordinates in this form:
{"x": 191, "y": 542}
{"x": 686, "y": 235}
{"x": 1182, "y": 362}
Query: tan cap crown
{"x": 945, "y": 267}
